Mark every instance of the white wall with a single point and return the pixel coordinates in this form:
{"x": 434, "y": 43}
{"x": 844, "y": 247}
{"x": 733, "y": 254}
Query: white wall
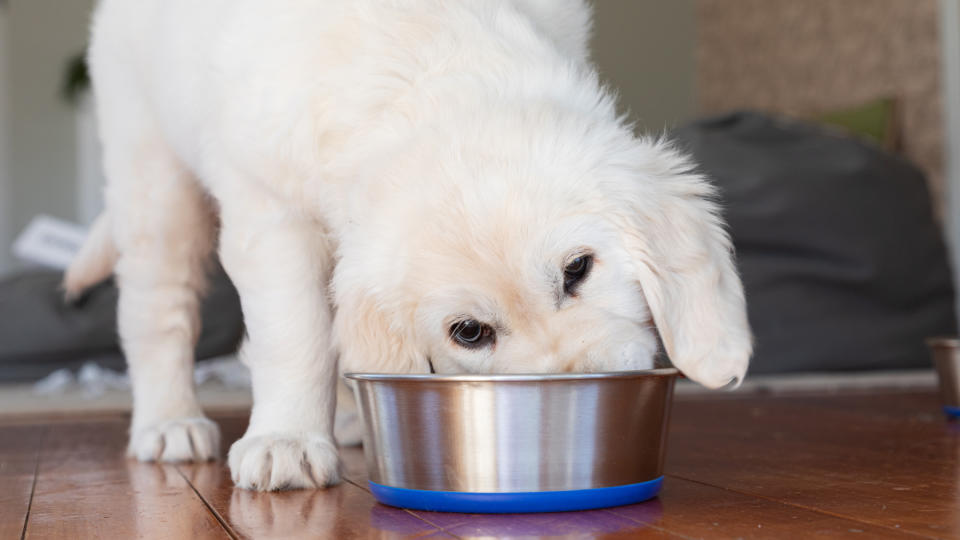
{"x": 646, "y": 50}
{"x": 6, "y": 220}
{"x": 950, "y": 46}
{"x": 41, "y": 36}
{"x": 89, "y": 167}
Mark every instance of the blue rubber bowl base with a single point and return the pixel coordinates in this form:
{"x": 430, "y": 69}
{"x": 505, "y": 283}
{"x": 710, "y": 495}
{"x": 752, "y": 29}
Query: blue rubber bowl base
{"x": 953, "y": 412}
{"x": 516, "y": 503}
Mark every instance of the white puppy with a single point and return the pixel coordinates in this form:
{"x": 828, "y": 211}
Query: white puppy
{"x": 404, "y": 184}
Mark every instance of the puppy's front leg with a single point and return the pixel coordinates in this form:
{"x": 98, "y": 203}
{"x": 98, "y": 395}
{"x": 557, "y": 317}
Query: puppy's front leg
{"x": 280, "y": 265}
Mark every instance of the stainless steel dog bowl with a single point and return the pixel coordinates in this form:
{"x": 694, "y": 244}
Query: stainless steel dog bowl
{"x": 514, "y": 443}
{"x": 946, "y": 358}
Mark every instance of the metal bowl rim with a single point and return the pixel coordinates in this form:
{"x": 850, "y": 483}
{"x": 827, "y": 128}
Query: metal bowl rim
{"x": 511, "y": 377}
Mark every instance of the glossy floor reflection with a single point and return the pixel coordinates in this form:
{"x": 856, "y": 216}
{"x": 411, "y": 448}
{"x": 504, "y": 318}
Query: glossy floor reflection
{"x": 874, "y": 466}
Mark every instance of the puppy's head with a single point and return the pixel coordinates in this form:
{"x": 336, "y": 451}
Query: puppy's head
{"x": 530, "y": 255}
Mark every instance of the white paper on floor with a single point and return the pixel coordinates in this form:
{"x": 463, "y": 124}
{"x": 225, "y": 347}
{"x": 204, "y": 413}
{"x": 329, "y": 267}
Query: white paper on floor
{"x": 93, "y": 381}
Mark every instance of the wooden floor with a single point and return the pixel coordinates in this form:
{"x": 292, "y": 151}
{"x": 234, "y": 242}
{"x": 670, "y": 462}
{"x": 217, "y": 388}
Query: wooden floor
{"x": 866, "y": 466}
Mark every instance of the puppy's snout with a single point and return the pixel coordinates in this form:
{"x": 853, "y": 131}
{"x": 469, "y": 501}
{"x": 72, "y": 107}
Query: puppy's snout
{"x": 560, "y": 364}
{"x": 562, "y": 351}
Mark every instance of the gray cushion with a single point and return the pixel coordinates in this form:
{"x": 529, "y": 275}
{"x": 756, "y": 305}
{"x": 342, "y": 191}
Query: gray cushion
{"x": 41, "y": 333}
{"x": 843, "y": 263}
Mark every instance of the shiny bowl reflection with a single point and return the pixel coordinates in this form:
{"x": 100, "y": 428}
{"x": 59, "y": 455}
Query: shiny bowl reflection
{"x": 514, "y": 433}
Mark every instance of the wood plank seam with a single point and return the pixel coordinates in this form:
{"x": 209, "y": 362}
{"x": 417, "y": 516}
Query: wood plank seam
{"x": 434, "y": 525}
{"x": 33, "y": 485}
{"x": 805, "y": 507}
{"x": 349, "y": 481}
{"x": 216, "y": 515}
{"x": 421, "y": 518}
{"x": 646, "y": 524}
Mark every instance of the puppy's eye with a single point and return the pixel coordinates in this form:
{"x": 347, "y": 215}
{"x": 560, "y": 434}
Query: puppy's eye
{"x": 472, "y": 334}
{"x": 575, "y": 272}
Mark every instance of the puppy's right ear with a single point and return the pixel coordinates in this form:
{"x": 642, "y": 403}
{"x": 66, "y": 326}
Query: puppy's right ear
{"x": 373, "y": 337}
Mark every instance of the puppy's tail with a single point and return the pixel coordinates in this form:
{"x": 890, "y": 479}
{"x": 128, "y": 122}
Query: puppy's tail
{"x": 94, "y": 262}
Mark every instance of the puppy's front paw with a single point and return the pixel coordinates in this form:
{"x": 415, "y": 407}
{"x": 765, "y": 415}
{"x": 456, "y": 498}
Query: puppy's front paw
{"x": 180, "y": 439}
{"x": 284, "y": 461}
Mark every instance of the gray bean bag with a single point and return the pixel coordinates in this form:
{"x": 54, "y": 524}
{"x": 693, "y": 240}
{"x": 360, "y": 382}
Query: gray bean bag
{"x": 843, "y": 263}
{"x": 40, "y": 333}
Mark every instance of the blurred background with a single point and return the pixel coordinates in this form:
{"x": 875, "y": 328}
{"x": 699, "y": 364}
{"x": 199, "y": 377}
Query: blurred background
{"x": 831, "y": 128}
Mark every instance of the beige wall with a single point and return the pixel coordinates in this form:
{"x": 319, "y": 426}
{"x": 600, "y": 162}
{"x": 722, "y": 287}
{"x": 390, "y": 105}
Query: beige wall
{"x": 800, "y": 57}
{"x": 646, "y": 49}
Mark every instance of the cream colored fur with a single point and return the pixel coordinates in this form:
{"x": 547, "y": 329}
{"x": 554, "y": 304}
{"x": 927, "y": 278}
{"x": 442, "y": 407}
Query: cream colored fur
{"x": 372, "y": 171}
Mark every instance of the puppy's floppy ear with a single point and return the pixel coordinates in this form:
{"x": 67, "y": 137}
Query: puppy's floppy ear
{"x": 683, "y": 259}
{"x": 372, "y": 337}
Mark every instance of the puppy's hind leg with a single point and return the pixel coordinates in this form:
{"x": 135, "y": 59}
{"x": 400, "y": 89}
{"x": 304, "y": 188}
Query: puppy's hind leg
{"x": 163, "y": 228}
